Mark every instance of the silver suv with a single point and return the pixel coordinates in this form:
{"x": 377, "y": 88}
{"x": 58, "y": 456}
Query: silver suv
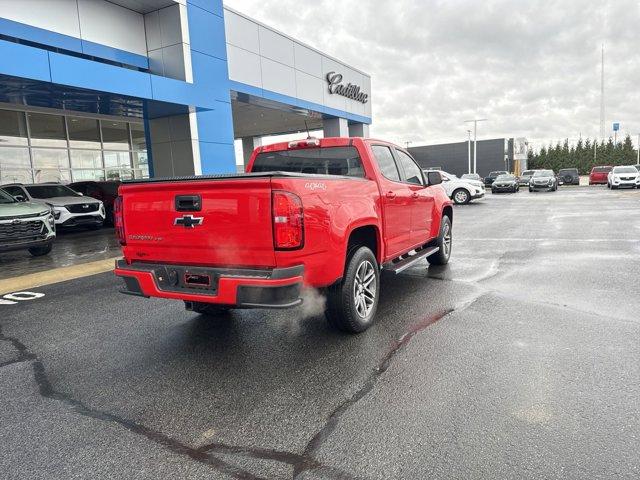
{"x": 71, "y": 209}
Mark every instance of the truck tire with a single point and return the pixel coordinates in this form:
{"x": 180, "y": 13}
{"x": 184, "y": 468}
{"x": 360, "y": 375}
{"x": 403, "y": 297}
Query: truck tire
{"x": 207, "y": 309}
{"x": 461, "y": 196}
{"x": 441, "y": 257}
{"x": 352, "y": 302}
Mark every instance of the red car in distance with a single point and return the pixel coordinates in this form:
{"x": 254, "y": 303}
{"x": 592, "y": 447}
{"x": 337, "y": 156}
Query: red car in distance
{"x": 598, "y": 175}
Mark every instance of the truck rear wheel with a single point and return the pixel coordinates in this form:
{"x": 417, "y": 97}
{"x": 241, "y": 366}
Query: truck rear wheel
{"x": 352, "y": 302}
{"x": 441, "y": 257}
{"x": 208, "y": 309}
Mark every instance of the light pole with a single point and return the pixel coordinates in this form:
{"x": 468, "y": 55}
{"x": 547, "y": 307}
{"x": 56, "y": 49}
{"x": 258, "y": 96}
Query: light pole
{"x": 638, "y": 157}
{"x": 407, "y": 143}
{"x": 475, "y": 140}
{"x": 469, "y": 149}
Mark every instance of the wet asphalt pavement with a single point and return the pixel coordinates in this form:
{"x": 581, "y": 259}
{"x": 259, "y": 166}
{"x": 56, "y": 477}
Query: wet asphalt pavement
{"x": 71, "y": 247}
{"x": 520, "y": 359}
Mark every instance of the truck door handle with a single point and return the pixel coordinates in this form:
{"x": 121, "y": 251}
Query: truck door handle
{"x": 414, "y": 195}
{"x": 391, "y": 195}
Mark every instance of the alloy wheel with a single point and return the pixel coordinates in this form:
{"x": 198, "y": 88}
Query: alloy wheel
{"x": 461, "y": 196}
{"x": 446, "y": 239}
{"x": 364, "y": 288}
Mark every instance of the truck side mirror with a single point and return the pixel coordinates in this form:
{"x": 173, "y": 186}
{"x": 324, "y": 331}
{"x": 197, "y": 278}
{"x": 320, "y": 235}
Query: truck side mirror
{"x": 434, "y": 178}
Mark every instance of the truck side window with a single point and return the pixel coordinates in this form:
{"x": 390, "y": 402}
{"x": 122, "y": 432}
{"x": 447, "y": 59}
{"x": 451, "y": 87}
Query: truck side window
{"x": 411, "y": 170}
{"x": 386, "y": 163}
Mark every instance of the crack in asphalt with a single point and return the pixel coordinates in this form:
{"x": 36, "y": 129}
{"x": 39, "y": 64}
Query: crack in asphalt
{"x": 46, "y": 390}
{"x": 23, "y": 352}
{"x": 301, "y": 463}
{"x": 202, "y": 455}
{"x": 316, "y": 442}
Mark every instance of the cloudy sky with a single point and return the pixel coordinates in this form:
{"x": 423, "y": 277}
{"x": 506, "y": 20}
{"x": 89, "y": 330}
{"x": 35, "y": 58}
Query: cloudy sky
{"x": 531, "y": 68}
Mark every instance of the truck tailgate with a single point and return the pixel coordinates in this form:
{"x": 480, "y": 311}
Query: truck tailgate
{"x": 235, "y": 230}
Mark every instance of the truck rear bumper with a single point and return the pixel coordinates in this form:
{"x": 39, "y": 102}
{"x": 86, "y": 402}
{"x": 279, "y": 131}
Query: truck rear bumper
{"x": 240, "y": 288}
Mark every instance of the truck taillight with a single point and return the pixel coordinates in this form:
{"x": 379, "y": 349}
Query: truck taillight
{"x": 288, "y": 221}
{"x": 118, "y": 221}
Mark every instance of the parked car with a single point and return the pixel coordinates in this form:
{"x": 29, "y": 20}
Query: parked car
{"x": 25, "y": 226}
{"x": 472, "y": 176}
{"x": 106, "y": 192}
{"x": 253, "y": 240}
{"x": 625, "y": 176}
{"x": 505, "y": 183}
{"x": 598, "y": 175}
{"x": 71, "y": 209}
{"x": 489, "y": 179}
{"x": 543, "y": 180}
{"x": 525, "y": 177}
{"x": 569, "y": 176}
{"x": 459, "y": 190}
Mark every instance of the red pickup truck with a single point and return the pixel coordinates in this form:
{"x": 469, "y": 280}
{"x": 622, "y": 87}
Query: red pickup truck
{"x": 324, "y": 213}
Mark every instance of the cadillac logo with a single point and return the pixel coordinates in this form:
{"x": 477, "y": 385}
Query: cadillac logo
{"x": 349, "y": 90}
{"x": 188, "y": 221}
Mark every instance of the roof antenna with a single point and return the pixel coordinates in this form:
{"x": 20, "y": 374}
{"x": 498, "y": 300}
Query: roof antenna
{"x": 307, "y": 127}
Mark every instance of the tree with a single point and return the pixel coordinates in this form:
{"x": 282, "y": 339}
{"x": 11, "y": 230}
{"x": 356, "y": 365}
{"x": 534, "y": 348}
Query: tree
{"x": 584, "y": 155}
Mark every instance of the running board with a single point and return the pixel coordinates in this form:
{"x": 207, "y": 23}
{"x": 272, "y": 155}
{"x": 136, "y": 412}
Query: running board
{"x": 405, "y": 263}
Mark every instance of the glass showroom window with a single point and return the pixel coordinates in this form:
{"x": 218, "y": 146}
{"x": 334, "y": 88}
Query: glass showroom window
{"x": 87, "y": 165}
{"x": 139, "y": 155}
{"x": 15, "y": 163}
{"x": 115, "y": 135}
{"x": 44, "y": 147}
{"x": 13, "y": 128}
{"x": 83, "y": 133}
{"x": 47, "y": 130}
{"x": 50, "y": 165}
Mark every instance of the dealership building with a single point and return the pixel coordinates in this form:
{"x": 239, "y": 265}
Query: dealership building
{"x": 96, "y": 89}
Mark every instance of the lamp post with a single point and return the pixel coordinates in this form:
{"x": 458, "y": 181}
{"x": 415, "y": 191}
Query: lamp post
{"x": 475, "y": 140}
{"x": 469, "y": 150}
{"x": 638, "y": 147}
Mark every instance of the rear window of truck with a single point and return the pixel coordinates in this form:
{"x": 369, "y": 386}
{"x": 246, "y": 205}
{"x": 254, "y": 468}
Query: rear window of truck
{"x": 321, "y": 161}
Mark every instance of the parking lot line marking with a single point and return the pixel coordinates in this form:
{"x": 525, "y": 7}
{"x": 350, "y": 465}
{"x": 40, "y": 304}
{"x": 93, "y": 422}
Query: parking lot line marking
{"x": 56, "y": 275}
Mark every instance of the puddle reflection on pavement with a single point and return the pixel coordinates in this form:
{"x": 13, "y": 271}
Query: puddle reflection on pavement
{"x": 70, "y": 248}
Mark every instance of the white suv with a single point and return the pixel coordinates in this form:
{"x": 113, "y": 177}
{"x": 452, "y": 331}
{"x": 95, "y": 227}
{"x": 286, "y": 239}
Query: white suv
{"x": 461, "y": 191}
{"x": 70, "y": 208}
{"x": 623, "y": 176}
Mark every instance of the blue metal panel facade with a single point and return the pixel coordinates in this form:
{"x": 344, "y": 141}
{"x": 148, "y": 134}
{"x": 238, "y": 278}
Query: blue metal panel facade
{"x": 209, "y": 66}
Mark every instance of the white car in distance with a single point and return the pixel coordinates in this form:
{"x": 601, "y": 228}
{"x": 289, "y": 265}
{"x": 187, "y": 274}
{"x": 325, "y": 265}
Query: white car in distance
{"x": 460, "y": 190}
{"x": 623, "y": 176}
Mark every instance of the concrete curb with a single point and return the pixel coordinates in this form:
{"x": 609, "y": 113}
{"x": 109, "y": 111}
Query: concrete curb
{"x": 33, "y": 280}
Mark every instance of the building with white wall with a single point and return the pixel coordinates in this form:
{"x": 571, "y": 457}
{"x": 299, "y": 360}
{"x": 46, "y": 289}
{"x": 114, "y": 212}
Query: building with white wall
{"x": 93, "y": 89}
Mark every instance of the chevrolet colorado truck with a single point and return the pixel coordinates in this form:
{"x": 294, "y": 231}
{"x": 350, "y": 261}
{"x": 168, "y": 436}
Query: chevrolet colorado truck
{"x": 323, "y": 213}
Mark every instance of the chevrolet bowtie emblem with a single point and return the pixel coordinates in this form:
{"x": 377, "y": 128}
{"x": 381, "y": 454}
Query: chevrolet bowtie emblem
{"x": 188, "y": 221}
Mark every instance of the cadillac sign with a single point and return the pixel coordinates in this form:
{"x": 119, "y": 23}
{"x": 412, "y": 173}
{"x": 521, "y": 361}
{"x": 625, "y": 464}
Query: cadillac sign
{"x": 349, "y": 90}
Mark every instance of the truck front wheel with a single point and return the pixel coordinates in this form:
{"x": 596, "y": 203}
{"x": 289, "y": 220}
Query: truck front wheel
{"x": 441, "y": 257}
{"x": 352, "y": 302}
